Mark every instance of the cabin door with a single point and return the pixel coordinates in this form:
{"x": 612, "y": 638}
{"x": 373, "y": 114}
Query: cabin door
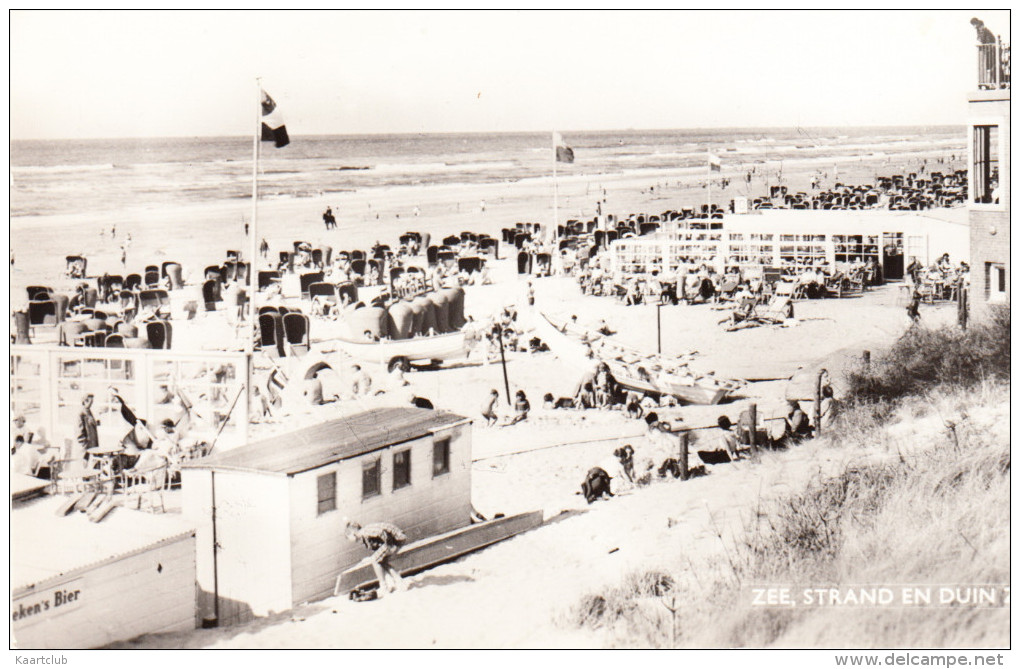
{"x": 892, "y": 256}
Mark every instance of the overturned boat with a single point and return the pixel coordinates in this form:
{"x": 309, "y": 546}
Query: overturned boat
{"x": 650, "y": 374}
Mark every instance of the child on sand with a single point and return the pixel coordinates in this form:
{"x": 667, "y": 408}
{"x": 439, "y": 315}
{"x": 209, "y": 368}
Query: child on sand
{"x": 489, "y": 408}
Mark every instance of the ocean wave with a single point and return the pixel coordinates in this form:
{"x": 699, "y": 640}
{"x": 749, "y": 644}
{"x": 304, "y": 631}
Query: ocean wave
{"x": 56, "y": 169}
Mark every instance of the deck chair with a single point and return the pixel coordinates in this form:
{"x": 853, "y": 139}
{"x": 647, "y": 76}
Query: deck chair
{"x": 543, "y": 264}
{"x": 39, "y": 293}
{"x": 211, "y": 294}
{"x": 159, "y": 334}
{"x": 265, "y": 278}
{"x": 42, "y": 313}
{"x": 358, "y": 268}
{"x": 174, "y": 272}
{"x": 296, "y": 328}
{"x": 148, "y": 299}
{"x": 307, "y": 280}
{"x": 777, "y": 310}
{"x": 76, "y": 266}
{"x": 395, "y": 273}
{"x": 69, "y": 332}
{"x": 349, "y": 290}
{"x": 325, "y": 290}
{"x": 271, "y": 335}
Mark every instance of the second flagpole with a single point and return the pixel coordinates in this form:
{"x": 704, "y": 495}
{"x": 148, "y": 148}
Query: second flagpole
{"x": 253, "y": 250}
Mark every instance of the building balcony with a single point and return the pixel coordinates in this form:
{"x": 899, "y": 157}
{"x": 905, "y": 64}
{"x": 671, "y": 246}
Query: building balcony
{"x": 993, "y": 66}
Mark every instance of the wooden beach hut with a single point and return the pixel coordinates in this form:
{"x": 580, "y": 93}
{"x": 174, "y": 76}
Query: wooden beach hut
{"x": 78, "y": 584}
{"x": 269, "y": 515}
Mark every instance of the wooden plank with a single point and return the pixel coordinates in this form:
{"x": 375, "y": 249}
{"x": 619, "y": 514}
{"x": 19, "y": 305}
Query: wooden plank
{"x": 103, "y": 511}
{"x": 432, "y": 551}
{"x": 84, "y": 501}
{"x": 68, "y": 505}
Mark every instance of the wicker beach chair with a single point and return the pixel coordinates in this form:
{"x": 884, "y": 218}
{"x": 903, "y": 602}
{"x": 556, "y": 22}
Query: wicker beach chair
{"x": 296, "y": 328}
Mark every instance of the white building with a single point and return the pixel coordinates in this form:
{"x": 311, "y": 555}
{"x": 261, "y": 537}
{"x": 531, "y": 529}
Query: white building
{"x": 268, "y": 515}
{"x": 799, "y": 238}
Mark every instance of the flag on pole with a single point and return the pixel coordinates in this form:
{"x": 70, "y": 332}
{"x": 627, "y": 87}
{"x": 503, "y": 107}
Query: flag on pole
{"x": 714, "y": 163}
{"x": 273, "y": 128}
{"x": 564, "y": 154}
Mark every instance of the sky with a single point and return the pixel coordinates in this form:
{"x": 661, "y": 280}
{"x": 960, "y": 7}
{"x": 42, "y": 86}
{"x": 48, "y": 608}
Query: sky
{"x": 192, "y": 73}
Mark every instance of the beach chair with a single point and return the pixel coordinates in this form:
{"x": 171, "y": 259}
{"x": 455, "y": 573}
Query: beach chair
{"x": 348, "y": 291}
{"x": 307, "y": 280}
{"x": 39, "y": 292}
{"x": 268, "y": 309}
{"x": 452, "y": 240}
{"x": 296, "y": 329}
{"x": 523, "y": 262}
{"x": 543, "y": 264}
{"x": 132, "y": 282}
{"x": 265, "y": 278}
{"x": 211, "y": 294}
{"x": 432, "y": 255}
{"x": 357, "y": 255}
{"x": 174, "y": 272}
{"x": 358, "y": 270}
{"x": 76, "y": 266}
{"x": 42, "y": 313}
{"x": 324, "y": 290}
{"x": 159, "y": 334}
{"x": 149, "y": 299}
{"x": 152, "y": 279}
{"x": 317, "y": 258}
{"x": 395, "y": 273}
{"x": 114, "y": 340}
{"x": 271, "y": 335}
{"x": 777, "y": 310}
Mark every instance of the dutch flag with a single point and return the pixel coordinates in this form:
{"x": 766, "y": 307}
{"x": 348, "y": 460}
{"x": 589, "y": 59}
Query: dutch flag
{"x": 564, "y": 154}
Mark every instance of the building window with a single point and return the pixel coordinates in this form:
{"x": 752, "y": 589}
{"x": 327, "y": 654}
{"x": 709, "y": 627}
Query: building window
{"x": 995, "y": 282}
{"x": 401, "y": 469}
{"x": 985, "y": 175}
{"x": 327, "y": 492}
{"x": 441, "y": 457}
{"x": 371, "y": 479}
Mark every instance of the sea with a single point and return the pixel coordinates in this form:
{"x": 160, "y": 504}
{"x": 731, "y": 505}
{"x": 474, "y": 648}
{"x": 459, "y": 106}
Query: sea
{"x": 51, "y": 177}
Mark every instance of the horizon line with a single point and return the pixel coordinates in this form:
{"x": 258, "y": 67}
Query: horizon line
{"x": 497, "y": 132}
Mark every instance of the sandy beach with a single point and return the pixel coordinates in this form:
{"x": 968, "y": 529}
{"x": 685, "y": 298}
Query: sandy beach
{"x": 524, "y": 587}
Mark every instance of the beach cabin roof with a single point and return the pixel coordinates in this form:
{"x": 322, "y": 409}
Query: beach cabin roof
{"x": 48, "y": 547}
{"x": 339, "y": 439}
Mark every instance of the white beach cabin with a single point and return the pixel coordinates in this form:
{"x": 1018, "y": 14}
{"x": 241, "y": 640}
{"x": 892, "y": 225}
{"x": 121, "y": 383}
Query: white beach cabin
{"x": 78, "y": 584}
{"x": 274, "y": 509}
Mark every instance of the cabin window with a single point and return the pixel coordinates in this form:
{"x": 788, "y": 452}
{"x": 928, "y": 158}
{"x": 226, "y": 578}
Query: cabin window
{"x": 401, "y": 469}
{"x": 441, "y": 457}
{"x": 985, "y": 174}
{"x": 371, "y": 479}
{"x": 327, "y": 492}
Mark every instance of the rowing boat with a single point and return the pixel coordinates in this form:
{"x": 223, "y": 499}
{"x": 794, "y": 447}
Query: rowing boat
{"x": 404, "y": 351}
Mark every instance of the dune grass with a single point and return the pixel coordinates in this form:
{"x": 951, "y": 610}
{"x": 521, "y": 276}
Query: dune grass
{"x": 926, "y": 502}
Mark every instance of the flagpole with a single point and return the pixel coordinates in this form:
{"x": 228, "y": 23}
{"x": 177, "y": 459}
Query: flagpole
{"x": 252, "y": 248}
{"x": 556, "y": 191}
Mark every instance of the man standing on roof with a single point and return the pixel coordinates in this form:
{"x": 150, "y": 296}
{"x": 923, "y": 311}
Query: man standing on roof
{"x": 385, "y": 540}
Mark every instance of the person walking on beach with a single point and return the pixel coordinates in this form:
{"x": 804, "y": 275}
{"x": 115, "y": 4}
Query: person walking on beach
{"x": 385, "y": 540}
